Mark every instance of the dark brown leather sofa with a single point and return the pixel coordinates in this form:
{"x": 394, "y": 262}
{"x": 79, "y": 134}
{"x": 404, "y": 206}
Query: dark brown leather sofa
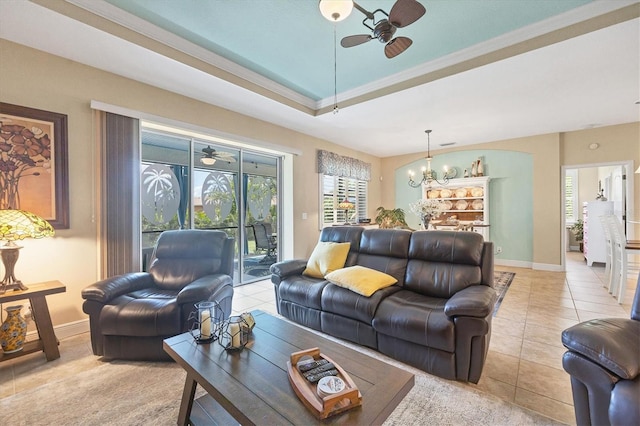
{"x": 437, "y": 317}
{"x": 603, "y": 359}
{"x": 131, "y": 314}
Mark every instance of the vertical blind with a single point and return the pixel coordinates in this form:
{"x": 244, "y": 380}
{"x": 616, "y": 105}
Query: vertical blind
{"x": 120, "y": 195}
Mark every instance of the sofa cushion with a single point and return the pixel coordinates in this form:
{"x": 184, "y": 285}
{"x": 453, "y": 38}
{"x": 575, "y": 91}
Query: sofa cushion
{"x": 344, "y": 234}
{"x": 385, "y": 250}
{"x": 182, "y": 257}
{"x": 326, "y": 258}
{"x": 364, "y": 281}
{"x": 340, "y": 301}
{"x": 416, "y": 318}
{"x": 302, "y": 290}
{"x": 149, "y": 312}
{"x": 441, "y": 263}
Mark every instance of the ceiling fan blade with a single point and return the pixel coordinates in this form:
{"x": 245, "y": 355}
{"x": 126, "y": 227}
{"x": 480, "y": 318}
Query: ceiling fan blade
{"x": 397, "y": 46}
{"x": 406, "y": 12}
{"x": 225, "y": 156}
{"x": 355, "y": 40}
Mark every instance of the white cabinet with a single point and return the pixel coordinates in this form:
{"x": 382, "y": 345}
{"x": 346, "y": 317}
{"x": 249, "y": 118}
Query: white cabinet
{"x": 467, "y": 202}
{"x": 594, "y": 245}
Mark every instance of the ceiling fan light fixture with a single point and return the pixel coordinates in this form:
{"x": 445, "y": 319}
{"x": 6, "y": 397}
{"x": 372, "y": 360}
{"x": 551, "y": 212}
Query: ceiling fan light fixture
{"x": 208, "y": 161}
{"x": 335, "y": 10}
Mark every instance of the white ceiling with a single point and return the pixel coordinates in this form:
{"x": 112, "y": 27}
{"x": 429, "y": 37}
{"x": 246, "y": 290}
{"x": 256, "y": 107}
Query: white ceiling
{"x": 591, "y": 80}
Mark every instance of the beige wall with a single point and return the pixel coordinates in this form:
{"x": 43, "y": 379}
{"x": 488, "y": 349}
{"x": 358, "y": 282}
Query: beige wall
{"x": 550, "y": 152}
{"x": 39, "y": 80}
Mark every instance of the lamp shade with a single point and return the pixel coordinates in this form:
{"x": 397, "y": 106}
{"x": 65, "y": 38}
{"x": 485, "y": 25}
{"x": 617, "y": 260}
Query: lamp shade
{"x": 335, "y": 10}
{"x": 346, "y": 205}
{"x": 20, "y": 224}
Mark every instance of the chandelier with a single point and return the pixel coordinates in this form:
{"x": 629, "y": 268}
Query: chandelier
{"x": 428, "y": 175}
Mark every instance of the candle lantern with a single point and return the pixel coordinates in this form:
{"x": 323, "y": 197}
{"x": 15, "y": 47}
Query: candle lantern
{"x": 249, "y": 321}
{"x": 207, "y": 321}
{"x": 234, "y": 334}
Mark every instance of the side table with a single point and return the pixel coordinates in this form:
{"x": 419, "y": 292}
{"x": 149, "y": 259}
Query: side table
{"x": 47, "y": 340}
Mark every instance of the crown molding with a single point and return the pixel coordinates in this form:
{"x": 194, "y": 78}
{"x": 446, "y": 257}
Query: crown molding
{"x": 575, "y": 16}
{"x": 116, "y": 15}
{"x": 473, "y": 56}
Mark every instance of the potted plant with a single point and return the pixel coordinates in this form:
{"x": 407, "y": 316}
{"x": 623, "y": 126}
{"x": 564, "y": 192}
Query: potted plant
{"x": 578, "y": 231}
{"x": 386, "y": 218}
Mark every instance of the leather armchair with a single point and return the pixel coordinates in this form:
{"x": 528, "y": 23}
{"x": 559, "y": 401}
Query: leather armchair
{"x": 131, "y": 314}
{"x": 603, "y": 359}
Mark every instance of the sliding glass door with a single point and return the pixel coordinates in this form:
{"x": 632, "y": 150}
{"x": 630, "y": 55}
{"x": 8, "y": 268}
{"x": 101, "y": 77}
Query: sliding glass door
{"x": 188, "y": 183}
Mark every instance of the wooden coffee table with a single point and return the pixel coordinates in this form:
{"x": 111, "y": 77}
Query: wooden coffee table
{"x": 251, "y": 387}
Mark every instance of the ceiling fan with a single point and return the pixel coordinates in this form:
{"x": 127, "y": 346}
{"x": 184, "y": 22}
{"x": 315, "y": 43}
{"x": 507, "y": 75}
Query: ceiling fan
{"x": 403, "y": 13}
{"x": 210, "y": 156}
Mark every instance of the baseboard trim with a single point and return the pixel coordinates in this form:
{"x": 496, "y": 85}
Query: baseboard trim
{"x": 69, "y": 329}
{"x": 529, "y": 265}
{"x": 548, "y": 267}
{"x": 514, "y": 263}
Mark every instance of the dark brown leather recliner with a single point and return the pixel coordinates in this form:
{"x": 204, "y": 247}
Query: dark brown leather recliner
{"x": 603, "y": 359}
{"x": 131, "y": 314}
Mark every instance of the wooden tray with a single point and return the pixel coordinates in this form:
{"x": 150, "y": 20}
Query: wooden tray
{"x": 330, "y": 405}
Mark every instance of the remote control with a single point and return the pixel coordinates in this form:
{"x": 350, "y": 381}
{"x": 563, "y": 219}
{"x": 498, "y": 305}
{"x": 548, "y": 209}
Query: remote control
{"x": 311, "y": 365}
{"x": 323, "y": 367}
{"x": 315, "y": 377}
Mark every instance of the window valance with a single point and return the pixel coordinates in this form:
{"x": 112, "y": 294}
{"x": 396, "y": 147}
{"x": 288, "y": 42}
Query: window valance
{"x": 330, "y": 163}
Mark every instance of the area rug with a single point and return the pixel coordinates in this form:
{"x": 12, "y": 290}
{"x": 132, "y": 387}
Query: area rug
{"x": 501, "y": 283}
{"x": 141, "y": 393}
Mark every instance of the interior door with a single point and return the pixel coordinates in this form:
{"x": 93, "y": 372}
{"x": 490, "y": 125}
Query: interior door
{"x": 618, "y": 192}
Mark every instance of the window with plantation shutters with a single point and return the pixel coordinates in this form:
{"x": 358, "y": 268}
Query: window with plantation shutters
{"x": 335, "y": 190}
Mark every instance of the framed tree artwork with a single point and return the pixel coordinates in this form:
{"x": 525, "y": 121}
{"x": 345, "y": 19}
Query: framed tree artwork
{"x": 33, "y": 163}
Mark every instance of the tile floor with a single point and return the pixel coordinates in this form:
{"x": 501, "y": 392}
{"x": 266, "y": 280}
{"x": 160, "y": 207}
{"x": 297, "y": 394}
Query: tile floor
{"x": 524, "y": 361}
{"x": 524, "y": 364}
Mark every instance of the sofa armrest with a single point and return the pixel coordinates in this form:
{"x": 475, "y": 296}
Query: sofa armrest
{"x": 286, "y": 268}
{"x": 611, "y": 343}
{"x": 474, "y": 301}
{"x": 203, "y": 288}
{"x": 110, "y": 288}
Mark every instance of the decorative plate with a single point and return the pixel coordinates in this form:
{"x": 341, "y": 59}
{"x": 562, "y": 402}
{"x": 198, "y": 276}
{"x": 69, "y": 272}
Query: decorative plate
{"x": 447, "y": 204}
{"x": 477, "y": 205}
{"x": 477, "y": 192}
{"x": 445, "y": 193}
{"x": 461, "y": 192}
{"x": 461, "y": 205}
{"x": 434, "y": 193}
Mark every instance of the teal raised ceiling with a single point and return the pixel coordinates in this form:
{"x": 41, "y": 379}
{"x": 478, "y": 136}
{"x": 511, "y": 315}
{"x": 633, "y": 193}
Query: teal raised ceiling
{"x": 510, "y": 196}
{"x": 289, "y": 42}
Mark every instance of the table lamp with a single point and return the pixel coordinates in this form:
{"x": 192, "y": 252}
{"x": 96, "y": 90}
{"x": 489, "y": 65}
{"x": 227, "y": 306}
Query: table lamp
{"x": 346, "y": 205}
{"x": 18, "y": 225}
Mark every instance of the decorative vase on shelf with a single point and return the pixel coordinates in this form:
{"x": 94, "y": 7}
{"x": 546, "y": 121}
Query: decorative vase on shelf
{"x": 13, "y": 331}
{"x": 474, "y": 169}
{"x": 480, "y": 167}
{"x": 425, "y": 221}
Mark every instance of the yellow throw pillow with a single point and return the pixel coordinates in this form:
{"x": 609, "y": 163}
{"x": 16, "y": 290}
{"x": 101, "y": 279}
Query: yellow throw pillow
{"x": 364, "y": 281}
{"x": 326, "y": 258}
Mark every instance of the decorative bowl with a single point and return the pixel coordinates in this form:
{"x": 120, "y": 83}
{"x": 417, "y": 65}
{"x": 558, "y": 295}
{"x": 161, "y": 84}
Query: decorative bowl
{"x": 461, "y": 205}
{"x": 461, "y": 192}
{"x": 477, "y": 192}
